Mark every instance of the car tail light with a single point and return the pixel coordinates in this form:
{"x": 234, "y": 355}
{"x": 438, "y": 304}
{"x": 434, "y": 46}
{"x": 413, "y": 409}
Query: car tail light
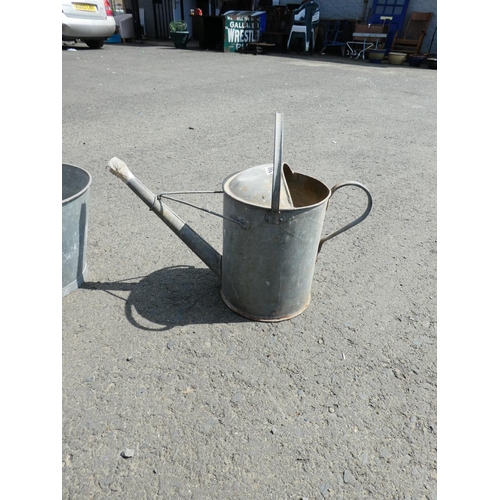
{"x": 109, "y": 10}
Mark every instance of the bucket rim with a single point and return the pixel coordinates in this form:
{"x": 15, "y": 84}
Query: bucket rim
{"x": 82, "y": 191}
{"x": 226, "y": 181}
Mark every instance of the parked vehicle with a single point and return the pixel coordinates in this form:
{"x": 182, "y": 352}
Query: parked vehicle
{"x": 90, "y": 21}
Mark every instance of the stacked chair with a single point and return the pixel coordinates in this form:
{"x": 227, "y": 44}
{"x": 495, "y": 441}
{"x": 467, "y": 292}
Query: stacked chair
{"x": 305, "y": 20}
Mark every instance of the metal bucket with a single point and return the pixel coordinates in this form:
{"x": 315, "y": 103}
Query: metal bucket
{"x": 75, "y": 196}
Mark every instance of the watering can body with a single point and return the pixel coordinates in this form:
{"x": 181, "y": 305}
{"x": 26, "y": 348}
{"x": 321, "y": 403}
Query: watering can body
{"x": 268, "y": 268}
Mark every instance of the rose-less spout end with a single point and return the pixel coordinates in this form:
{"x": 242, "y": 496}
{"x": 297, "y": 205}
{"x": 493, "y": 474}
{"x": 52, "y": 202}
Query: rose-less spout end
{"x": 119, "y": 168}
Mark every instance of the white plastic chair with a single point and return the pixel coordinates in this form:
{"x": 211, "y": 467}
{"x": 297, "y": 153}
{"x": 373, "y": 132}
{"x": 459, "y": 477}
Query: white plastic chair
{"x": 305, "y": 19}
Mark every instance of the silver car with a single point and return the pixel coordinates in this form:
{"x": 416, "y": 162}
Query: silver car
{"x": 90, "y": 21}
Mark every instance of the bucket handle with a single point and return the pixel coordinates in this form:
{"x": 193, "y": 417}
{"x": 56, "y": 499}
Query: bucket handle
{"x": 354, "y": 222}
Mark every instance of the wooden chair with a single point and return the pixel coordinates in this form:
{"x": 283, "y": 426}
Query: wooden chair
{"x": 278, "y": 21}
{"x": 416, "y": 30}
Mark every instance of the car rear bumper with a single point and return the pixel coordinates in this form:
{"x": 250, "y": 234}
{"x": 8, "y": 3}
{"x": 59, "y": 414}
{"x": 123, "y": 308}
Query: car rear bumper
{"x": 86, "y": 29}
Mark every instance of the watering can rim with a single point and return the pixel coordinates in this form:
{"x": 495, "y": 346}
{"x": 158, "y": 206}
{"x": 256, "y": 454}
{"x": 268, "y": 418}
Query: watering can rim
{"x": 229, "y": 178}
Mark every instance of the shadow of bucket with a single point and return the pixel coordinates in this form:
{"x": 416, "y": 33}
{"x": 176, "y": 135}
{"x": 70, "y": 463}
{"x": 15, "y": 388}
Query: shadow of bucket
{"x": 75, "y": 195}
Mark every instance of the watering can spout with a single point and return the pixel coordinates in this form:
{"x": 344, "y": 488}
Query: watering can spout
{"x": 192, "y": 239}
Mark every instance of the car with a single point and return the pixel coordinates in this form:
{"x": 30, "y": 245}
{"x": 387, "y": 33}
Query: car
{"x": 90, "y": 21}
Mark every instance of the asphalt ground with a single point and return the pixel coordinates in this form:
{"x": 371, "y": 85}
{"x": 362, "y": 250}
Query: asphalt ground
{"x": 338, "y": 402}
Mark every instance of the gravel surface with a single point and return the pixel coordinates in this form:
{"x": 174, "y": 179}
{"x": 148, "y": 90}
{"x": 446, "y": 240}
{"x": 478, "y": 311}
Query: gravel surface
{"x": 169, "y": 394}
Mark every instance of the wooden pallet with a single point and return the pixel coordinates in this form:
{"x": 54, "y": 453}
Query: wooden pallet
{"x": 261, "y": 47}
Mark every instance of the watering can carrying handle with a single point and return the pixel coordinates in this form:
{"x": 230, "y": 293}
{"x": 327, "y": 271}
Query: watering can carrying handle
{"x": 354, "y": 222}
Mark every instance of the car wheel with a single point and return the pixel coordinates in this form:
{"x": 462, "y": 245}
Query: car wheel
{"x": 94, "y": 44}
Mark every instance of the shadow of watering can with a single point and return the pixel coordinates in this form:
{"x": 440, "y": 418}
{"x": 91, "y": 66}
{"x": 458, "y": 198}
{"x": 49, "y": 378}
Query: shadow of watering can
{"x": 272, "y": 224}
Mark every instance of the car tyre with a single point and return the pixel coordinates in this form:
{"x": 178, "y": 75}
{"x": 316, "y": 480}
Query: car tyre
{"x": 94, "y": 44}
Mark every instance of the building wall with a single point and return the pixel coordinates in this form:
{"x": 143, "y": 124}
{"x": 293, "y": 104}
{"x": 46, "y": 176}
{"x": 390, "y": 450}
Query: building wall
{"x": 332, "y": 9}
{"x": 354, "y": 9}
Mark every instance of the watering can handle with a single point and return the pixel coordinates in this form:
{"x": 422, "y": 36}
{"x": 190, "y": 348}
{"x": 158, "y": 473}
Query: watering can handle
{"x": 354, "y": 222}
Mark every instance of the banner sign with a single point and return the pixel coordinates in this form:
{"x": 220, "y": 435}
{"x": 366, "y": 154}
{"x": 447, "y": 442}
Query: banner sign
{"x": 242, "y": 28}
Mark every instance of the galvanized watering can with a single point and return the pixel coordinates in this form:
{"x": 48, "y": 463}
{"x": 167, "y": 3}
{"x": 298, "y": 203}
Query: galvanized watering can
{"x": 272, "y": 224}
